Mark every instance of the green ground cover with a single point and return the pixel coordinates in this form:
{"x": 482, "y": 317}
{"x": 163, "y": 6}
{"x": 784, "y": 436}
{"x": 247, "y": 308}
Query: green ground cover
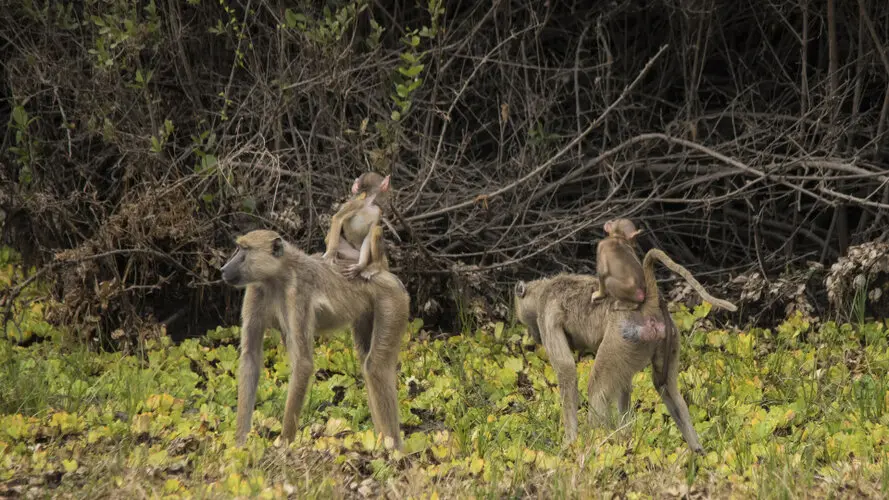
{"x": 792, "y": 412}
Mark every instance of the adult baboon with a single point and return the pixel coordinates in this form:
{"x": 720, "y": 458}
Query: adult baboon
{"x": 559, "y": 314}
{"x": 301, "y": 295}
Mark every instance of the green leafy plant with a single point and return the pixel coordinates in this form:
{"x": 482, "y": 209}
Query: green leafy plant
{"x": 25, "y": 146}
{"x": 407, "y": 79}
{"x": 797, "y": 409}
{"x": 121, "y": 32}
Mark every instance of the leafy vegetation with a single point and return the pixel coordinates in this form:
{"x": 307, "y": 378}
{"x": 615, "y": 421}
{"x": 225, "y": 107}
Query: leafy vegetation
{"x": 780, "y": 412}
{"x": 747, "y": 138}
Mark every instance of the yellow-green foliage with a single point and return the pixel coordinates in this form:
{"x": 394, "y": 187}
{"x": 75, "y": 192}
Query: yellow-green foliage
{"x": 780, "y": 413}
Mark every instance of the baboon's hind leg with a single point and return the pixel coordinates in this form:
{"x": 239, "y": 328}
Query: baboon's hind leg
{"x": 378, "y": 340}
{"x": 664, "y": 373}
{"x": 623, "y": 402}
{"x": 611, "y": 379}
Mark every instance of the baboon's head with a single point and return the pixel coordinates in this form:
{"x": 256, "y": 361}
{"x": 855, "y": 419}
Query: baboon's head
{"x": 622, "y": 228}
{"x": 259, "y": 257}
{"x": 526, "y": 306}
{"x": 372, "y": 185}
{"x": 523, "y": 298}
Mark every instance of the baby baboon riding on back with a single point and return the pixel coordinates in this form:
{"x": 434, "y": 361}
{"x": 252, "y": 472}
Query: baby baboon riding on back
{"x": 358, "y": 222}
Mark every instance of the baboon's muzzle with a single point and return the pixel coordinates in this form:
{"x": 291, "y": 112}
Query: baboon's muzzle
{"x": 231, "y": 273}
{"x": 229, "y": 276}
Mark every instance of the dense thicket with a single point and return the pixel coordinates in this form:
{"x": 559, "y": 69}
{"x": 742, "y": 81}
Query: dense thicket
{"x": 141, "y": 136}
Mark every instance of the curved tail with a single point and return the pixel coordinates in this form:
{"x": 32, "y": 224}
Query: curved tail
{"x": 651, "y": 291}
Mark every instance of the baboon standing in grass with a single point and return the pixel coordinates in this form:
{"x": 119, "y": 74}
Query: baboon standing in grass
{"x": 301, "y": 295}
{"x": 559, "y": 314}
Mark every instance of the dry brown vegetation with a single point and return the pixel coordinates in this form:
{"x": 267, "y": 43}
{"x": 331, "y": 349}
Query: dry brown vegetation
{"x": 744, "y": 137}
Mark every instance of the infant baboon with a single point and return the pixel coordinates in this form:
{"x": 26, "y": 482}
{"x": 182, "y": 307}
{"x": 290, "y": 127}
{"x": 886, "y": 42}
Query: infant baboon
{"x": 617, "y": 266}
{"x": 359, "y": 222}
{"x": 558, "y": 314}
{"x": 302, "y": 296}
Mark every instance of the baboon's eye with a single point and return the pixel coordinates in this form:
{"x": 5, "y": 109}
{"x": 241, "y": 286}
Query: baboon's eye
{"x": 239, "y": 251}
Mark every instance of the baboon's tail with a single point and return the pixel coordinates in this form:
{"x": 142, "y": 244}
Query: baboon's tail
{"x": 651, "y": 284}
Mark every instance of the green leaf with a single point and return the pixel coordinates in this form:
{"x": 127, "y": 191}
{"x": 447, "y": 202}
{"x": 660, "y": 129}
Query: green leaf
{"x": 396, "y": 115}
{"x": 412, "y": 71}
{"x": 416, "y": 442}
{"x": 498, "y": 330}
{"x": 294, "y": 19}
{"x": 414, "y": 85}
{"x": 20, "y": 116}
{"x": 514, "y": 364}
{"x": 69, "y": 465}
{"x": 208, "y": 162}
{"x": 248, "y": 205}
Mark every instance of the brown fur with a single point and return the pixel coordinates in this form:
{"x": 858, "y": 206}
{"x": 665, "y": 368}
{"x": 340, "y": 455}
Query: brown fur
{"x": 558, "y": 314}
{"x": 358, "y": 221}
{"x": 618, "y": 268}
{"x": 301, "y": 296}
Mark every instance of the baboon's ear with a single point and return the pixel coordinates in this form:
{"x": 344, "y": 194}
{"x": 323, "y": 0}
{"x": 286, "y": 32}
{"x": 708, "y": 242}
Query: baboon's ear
{"x": 520, "y": 289}
{"x": 277, "y": 247}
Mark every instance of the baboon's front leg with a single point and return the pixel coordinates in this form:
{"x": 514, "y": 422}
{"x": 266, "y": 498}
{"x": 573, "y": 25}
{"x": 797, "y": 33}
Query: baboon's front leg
{"x": 601, "y": 272}
{"x": 334, "y": 233}
{"x": 300, "y": 330}
{"x": 363, "y": 257}
{"x": 333, "y": 239}
{"x": 556, "y": 345}
{"x": 252, "y": 329}
{"x": 600, "y": 293}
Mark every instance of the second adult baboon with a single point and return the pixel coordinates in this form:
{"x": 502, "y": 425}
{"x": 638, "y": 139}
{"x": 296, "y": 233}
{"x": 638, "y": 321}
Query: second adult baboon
{"x": 358, "y": 220}
{"x": 617, "y": 266}
{"x": 558, "y": 314}
{"x": 302, "y": 296}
